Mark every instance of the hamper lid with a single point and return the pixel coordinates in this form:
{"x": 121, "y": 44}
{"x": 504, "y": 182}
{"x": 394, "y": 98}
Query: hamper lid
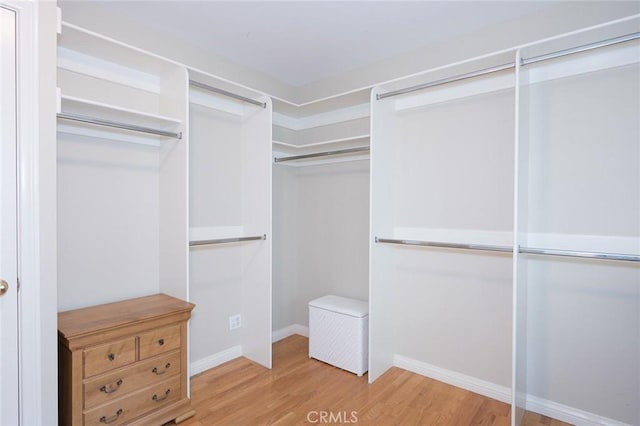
{"x": 342, "y": 305}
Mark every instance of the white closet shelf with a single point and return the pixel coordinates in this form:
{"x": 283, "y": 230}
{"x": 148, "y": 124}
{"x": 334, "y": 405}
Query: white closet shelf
{"x": 614, "y": 56}
{"x": 222, "y": 105}
{"x": 223, "y": 96}
{"x": 619, "y": 51}
{"x": 326, "y": 152}
{"x": 491, "y": 84}
{"x": 77, "y": 39}
{"x": 455, "y": 235}
{"x": 80, "y": 106}
{"x": 81, "y": 116}
{"x": 340, "y": 143}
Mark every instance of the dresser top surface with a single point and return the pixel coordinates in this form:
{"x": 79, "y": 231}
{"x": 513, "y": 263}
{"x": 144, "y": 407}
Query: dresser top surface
{"x": 92, "y": 319}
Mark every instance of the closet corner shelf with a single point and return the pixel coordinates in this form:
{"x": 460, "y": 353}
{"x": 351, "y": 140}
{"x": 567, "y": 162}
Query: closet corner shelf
{"x": 226, "y": 240}
{"x": 102, "y": 114}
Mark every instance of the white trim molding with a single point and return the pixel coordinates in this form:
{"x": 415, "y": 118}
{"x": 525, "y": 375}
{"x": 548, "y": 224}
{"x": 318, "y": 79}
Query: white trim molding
{"x": 215, "y": 360}
{"x": 289, "y": 330}
{"x": 36, "y": 61}
{"x": 542, "y": 406}
{"x": 482, "y": 387}
{"x": 568, "y": 414}
{"x": 350, "y": 113}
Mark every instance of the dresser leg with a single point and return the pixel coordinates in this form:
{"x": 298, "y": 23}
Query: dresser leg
{"x": 185, "y": 416}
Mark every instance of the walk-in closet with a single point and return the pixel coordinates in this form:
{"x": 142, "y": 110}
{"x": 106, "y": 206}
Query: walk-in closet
{"x": 505, "y": 222}
{"x": 477, "y": 194}
{"x": 164, "y": 186}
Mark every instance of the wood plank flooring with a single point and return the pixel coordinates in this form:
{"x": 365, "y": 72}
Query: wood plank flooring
{"x": 535, "y": 419}
{"x": 299, "y": 390}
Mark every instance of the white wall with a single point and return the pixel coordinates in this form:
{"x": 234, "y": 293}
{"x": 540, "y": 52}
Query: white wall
{"x": 285, "y": 253}
{"x": 321, "y": 227}
{"x": 107, "y": 221}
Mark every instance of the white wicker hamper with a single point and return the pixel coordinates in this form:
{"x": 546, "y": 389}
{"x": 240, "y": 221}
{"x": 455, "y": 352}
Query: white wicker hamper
{"x": 339, "y": 332}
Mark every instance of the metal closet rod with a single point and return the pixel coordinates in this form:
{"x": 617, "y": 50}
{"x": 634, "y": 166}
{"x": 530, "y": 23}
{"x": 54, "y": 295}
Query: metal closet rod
{"x": 226, "y": 240}
{"x": 322, "y": 154}
{"x": 523, "y": 61}
{"x": 583, "y": 254}
{"x": 579, "y": 49}
{"x": 483, "y": 247}
{"x": 118, "y": 125}
{"x": 226, "y": 93}
{"x": 526, "y": 250}
{"x": 458, "y": 77}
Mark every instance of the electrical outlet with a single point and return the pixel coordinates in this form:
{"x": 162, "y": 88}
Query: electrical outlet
{"x": 235, "y": 321}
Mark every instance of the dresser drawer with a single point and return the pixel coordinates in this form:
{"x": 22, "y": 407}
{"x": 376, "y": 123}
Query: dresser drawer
{"x": 124, "y": 363}
{"x": 110, "y": 386}
{"x": 159, "y": 341}
{"x": 129, "y": 407}
{"x": 98, "y": 359}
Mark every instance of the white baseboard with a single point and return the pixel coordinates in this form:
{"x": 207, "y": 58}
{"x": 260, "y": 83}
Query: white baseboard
{"x": 215, "y": 360}
{"x": 502, "y": 393}
{"x": 568, "y": 414}
{"x": 289, "y": 330}
{"x": 542, "y": 406}
{"x": 482, "y": 387}
{"x": 236, "y": 351}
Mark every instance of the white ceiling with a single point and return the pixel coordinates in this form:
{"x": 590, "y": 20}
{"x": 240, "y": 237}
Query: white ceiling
{"x": 301, "y": 42}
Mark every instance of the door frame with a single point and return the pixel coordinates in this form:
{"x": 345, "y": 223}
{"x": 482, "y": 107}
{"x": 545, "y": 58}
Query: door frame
{"x": 9, "y": 379}
{"x": 36, "y": 23}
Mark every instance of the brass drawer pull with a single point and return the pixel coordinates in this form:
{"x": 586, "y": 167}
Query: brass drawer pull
{"x": 111, "y": 356}
{"x": 158, "y": 399}
{"x": 159, "y": 373}
{"x": 161, "y": 342}
{"x": 106, "y": 420}
{"x": 111, "y": 388}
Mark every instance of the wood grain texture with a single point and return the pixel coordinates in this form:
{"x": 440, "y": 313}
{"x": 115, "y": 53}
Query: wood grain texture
{"x": 298, "y": 390}
{"x": 77, "y": 322}
{"x": 105, "y": 376}
{"x": 534, "y": 419}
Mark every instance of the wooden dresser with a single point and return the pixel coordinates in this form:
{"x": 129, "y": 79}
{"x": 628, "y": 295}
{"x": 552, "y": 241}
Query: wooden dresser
{"x": 124, "y": 363}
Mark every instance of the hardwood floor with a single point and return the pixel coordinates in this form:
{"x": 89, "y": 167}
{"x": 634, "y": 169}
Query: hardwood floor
{"x": 535, "y": 419}
{"x": 299, "y": 390}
